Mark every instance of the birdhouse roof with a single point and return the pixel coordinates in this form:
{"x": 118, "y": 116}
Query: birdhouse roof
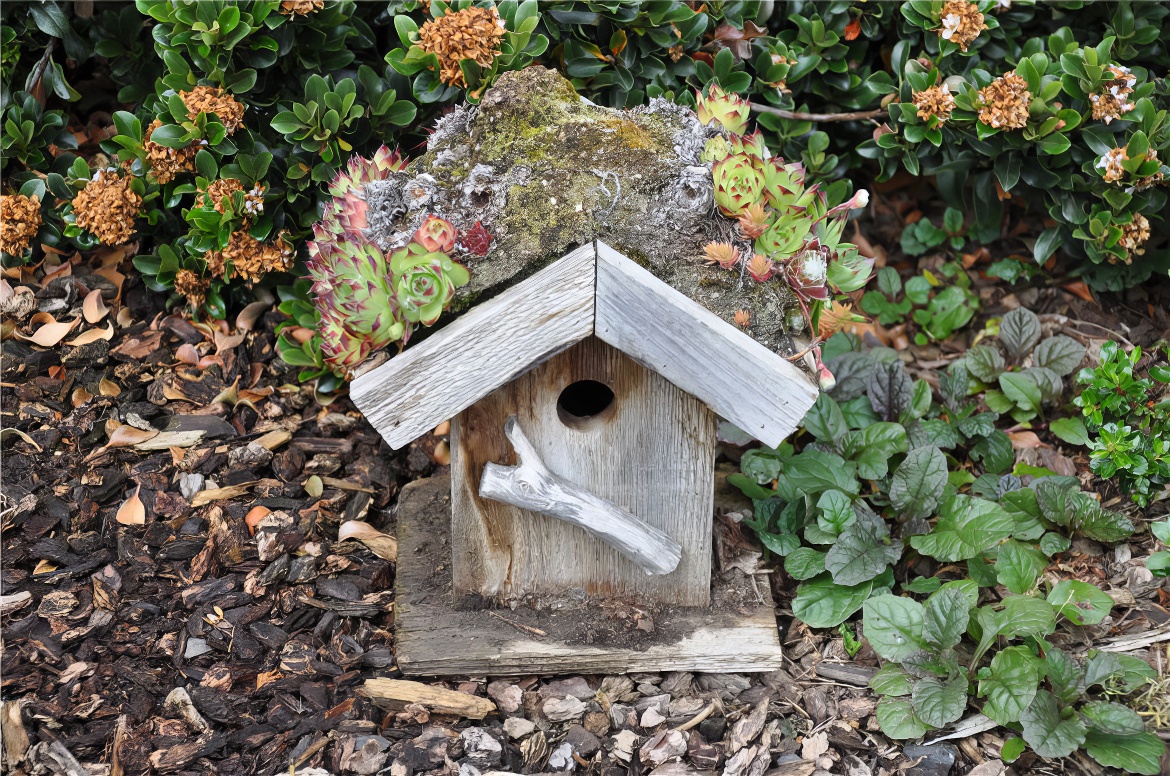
{"x": 591, "y": 291}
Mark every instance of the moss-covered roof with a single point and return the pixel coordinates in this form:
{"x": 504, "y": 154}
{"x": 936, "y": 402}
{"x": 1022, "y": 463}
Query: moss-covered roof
{"x": 545, "y": 170}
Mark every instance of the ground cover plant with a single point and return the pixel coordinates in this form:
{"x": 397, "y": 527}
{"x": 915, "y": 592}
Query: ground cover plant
{"x": 972, "y": 519}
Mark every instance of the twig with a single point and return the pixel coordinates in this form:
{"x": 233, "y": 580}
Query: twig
{"x": 796, "y": 115}
{"x": 519, "y": 626}
{"x": 695, "y": 720}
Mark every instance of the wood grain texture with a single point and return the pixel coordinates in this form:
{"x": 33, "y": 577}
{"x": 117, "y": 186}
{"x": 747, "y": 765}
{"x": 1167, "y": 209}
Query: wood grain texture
{"x": 485, "y": 348}
{"x": 530, "y": 485}
{"x": 737, "y": 633}
{"x": 651, "y": 453}
{"x": 698, "y": 351}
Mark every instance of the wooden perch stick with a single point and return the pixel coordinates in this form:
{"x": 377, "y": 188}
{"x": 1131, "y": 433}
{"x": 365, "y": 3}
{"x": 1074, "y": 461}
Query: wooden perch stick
{"x": 530, "y": 485}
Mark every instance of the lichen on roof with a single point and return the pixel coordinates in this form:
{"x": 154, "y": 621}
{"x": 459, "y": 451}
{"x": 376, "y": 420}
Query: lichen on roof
{"x": 545, "y": 171}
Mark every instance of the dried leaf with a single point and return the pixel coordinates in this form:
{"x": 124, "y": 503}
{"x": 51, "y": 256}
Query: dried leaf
{"x": 1025, "y": 440}
{"x": 165, "y": 440}
{"x": 132, "y": 511}
{"x": 7, "y": 432}
{"x": 187, "y": 354}
{"x": 50, "y": 334}
{"x": 204, "y": 497}
{"x": 254, "y": 516}
{"x": 93, "y": 335}
{"x": 94, "y": 307}
{"x": 314, "y": 487}
{"x": 382, "y": 545}
{"x": 246, "y": 320}
{"x": 128, "y": 436}
{"x": 108, "y": 387}
{"x": 443, "y": 429}
{"x": 80, "y": 396}
{"x": 442, "y": 454}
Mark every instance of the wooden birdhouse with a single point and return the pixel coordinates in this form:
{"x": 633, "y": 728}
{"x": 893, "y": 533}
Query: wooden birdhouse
{"x": 576, "y": 533}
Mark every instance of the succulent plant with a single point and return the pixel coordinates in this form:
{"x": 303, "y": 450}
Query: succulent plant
{"x": 476, "y": 241}
{"x": 761, "y": 268}
{"x": 752, "y": 145}
{"x": 354, "y": 289}
{"x": 754, "y": 221}
{"x": 784, "y": 184}
{"x": 717, "y": 149}
{"x": 724, "y": 254}
{"x": 347, "y": 211}
{"x": 436, "y": 234}
{"x": 424, "y": 282}
{"x": 807, "y": 273}
{"x": 730, "y": 111}
{"x": 738, "y": 184}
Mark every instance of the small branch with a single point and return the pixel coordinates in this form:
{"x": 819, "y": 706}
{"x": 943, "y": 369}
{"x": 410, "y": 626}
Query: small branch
{"x": 530, "y": 485}
{"x": 859, "y": 115}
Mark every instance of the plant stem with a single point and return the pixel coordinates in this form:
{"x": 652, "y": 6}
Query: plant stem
{"x": 859, "y": 115}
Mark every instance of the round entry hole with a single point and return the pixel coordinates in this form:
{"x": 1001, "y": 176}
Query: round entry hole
{"x": 584, "y": 402}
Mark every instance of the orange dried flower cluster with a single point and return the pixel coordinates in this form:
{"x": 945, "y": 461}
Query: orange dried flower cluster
{"x": 961, "y": 23}
{"x": 936, "y": 101}
{"x": 20, "y": 219}
{"x": 1114, "y": 102}
{"x": 250, "y": 258}
{"x": 211, "y": 99}
{"x": 1134, "y": 235}
{"x": 1005, "y": 102}
{"x": 192, "y": 286}
{"x": 107, "y": 207}
{"x": 301, "y": 7}
{"x": 1111, "y": 165}
{"x": 168, "y": 162}
{"x": 473, "y": 33}
{"x": 217, "y": 190}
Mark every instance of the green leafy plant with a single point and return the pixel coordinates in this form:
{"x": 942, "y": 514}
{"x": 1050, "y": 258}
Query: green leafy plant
{"x": 1159, "y": 562}
{"x": 1126, "y": 421}
{"x": 939, "y": 306}
{"x": 921, "y": 236}
{"x": 1028, "y": 371}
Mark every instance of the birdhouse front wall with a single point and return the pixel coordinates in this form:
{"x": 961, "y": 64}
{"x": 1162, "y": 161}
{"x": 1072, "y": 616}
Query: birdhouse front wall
{"x": 650, "y": 450}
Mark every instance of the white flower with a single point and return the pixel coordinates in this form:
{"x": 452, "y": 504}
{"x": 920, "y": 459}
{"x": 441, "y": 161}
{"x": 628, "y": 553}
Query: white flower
{"x": 814, "y": 266}
{"x": 1003, "y": 5}
{"x": 950, "y": 24}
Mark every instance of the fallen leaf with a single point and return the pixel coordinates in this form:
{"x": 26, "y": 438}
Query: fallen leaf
{"x": 246, "y": 320}
{"x": 1078, "y": 289}
{"x": 50, "y": 334}
{"x": 139, "y": 346}
{"x": 80, "y": 396}
{"x": 93, "y": 335}
{"x": 132, "y": 511}
{"x": 128, "y": 436}
{"x": 254, "y": 516}
{"x": 94, "y": 307}
{"x": 204, "y": 497}
{"x": 187, "y": 354}
{"x": 7, "y": 432}
{"x": 108, "y": 387}
{"x": 443, "y": 429}
{"x": 442, "y": 453}
{"x": 314, "y": 487}
{"x": 1025, "y": 440}
{"x": 164, "y": 440}
{"x": 382, "y": 545}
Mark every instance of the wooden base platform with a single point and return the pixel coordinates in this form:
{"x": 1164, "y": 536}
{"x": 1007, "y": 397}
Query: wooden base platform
{"x": 737, "y": 633}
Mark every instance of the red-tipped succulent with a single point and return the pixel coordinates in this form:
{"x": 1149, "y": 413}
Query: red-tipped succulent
{"x": 436, "y": 234}
{"x": 476, "y": 241}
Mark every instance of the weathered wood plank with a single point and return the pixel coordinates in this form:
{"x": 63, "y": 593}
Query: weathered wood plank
{"x": 434, "y": 638}
{"x": 485, "y": 348}
{"x": 530, "y": 485}
{"x": 665, "y": 331}
{"x": 651, "y": 452}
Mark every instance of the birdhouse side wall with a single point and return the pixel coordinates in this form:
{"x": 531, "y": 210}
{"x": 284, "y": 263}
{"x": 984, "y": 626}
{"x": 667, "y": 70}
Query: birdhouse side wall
{"x": 651, "y": 453}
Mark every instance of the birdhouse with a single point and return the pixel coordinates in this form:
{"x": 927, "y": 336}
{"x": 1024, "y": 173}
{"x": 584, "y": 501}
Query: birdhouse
{"x": 576, "y": 529}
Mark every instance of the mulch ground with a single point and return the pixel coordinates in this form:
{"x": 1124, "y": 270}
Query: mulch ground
{"x": 175, "y": 598}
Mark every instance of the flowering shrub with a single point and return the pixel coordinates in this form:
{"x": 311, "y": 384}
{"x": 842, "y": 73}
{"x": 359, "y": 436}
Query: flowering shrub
{"x": 1043, "y": 125}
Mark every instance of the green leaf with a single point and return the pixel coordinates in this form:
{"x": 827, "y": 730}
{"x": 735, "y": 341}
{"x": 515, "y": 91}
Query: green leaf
{"x": 937, "y": 702}
{"x": 1080, "y": 602}
{"x": 1047, "y": 731}
{"x": 1018, "y": 566}
{"x": 1021, "y": 389}
{"x": 1019, "y": 331}
{"x": 863, "y": 550}
{"x": 918, "y": 482}
{"x": 1139, "y": 753}
{"x": 1052, "y": 543}
{"x": 985, "y": 362}
{"x": 966, "y": 527}
{"x": 761, "y": 464}
{"x": 1012, "y": 749}
{"x": 824, "y": 420}
{"x": 813, "y": 471}
{"x": 1010, "y": 684}
{"x": 872, "y": 447}
{"x": 924, "y": 585}
{"x": 893, "y": 626}
{"x": 1112, "y": 718}
{"x": 1094, "y": 521}
{"x": 897, "y": 719}
{"x": 836, "y": 512}
{"x": 804, "y": 563}
{"x": 1071, "y": 430}
{"x": 822, "y": 603}
{"x": 1060, "y": 354}
{"x": 1126, "y": 672}
{"x": 945, "y": 618}
{"x": 890, "y": 390}
{"x": 891, "y": 679}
